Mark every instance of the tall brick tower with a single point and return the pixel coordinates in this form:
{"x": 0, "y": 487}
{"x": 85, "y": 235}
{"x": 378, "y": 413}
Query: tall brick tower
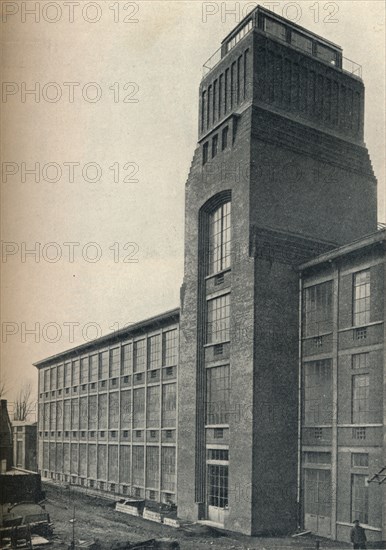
{"x": 280, "y": 173}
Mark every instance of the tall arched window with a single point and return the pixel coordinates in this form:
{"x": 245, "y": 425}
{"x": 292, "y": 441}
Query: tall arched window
{"x": 220, "y": 238}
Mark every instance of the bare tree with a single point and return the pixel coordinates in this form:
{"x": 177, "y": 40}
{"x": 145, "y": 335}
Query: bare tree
{"x": 24, "y": 404}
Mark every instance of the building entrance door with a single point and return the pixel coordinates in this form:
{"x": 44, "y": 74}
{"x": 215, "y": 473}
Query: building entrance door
{"x": 317, "y": 501}
{"x": 217, "y": 493}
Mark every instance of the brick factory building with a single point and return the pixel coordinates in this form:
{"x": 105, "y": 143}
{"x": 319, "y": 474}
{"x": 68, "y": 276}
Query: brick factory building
{"x": 258, "y": 406}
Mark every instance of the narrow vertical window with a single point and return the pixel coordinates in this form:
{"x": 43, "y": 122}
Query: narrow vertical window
{"x": 245, "y": 73}
{"x": 214, "y": 111}
{"x": 214, "y": 145}
{"x": 361, "y": 298}
{"x": 226, "y": 83}
{"x": 220, "y": 94}
{"x": 224, "y": 138}
{"x": 115, "y": 363}
{"x": 217, "y": 395}
{"x": 208, "y": 107}
{"x": 218, "y": 329}
{"x": 205, "y": 152}
{"x": 203, "y": 110}
{"x": 360, "y": 398}
{"x": 233, "y": 78}
{"x": 238, "y": 95}
{"x": 220, "y": 238}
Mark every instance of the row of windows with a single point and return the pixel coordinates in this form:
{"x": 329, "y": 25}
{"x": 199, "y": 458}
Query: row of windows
{"x": 318, "y": 305}
{"x": 108, "y": 410}
{"x": 91, "y": 434}
{"x": 215, "y": 145}
{"x": 226, "y": 92}
{"x": 358, "y": 460}
{"x": 318, "y": 391}
{"x": 301, "y": 41}
{"x": 125, "y": 464}
{"x": 153, "y": 352}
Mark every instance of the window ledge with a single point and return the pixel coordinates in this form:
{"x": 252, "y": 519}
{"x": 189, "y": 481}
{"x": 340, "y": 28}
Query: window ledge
{"x": 222, "y": 272}
{"x": 212, "y": 344}
{"x": 361, "y": 326}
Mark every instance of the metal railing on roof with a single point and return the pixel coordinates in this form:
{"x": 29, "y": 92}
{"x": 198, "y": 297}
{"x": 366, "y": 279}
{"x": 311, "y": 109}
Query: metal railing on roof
{"x": 350, "y": 66}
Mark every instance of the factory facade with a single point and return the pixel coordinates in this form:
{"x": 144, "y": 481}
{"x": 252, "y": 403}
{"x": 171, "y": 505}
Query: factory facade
{"x": 259, "y": 405}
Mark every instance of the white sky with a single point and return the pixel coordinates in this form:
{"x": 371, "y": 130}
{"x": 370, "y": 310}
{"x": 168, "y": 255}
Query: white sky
{"x": 162, "y": 54}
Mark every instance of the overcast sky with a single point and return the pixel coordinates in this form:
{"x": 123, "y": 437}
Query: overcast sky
{"x": 145, "y": 60}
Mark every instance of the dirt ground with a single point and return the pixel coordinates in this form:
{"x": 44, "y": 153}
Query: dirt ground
{"x": 95, "y": 518}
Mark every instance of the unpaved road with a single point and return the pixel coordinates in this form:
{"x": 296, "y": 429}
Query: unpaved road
{"x": 97, "y": 519}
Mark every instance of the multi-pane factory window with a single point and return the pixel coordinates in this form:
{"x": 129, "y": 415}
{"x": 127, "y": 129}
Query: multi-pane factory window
{"x": 83, "y": 459}
{"x": 218, "y": 454}
{"x": 361, "y": 298}
{"x": 217, "y": 485}
{"x": 66, "y": 458}
{"x": 67, "y": 414}
{"x": 46, "y": 380}
{"x": 83, "y": 413}
{"x": 153, "y": 406}
{"x": 74, "y": 459}
{"x": 52, "y": 416}
{"x": 318, "y": 309}
{"x": 361, "y": 361}
{"x": 127, "y": 359}
{"x": 360, "y": 398}
{"x": 93, "y": 368}
{"x": 219, "y": 246}
{"x": 139, "y": 355}
{"x": 318, "y": 392}
{"x": 113, "y": 463}
{"x": 46, "y": 417}
{"x": 92, "y": 461}
{"x": 169, "y": 348}
{"x": 84, "y": 370}
{"x": 218, "y": 320}
{"x": 67, "y": 375}
{"x": 138, "y": 465}
{"x": 41, "y": 381}
{"x": 152, "y": 467}
{"x": 53, "y": 378}
{"x": 154, "y": 352}
{"x": 169, "y": 393}
{"x": 138, "y": 407}
{"x": 317, "y": 457}
{"x": 102, "y": 412}
{"x": 217, "y": 395}
{"x": 275, "y": 28}
{"x": 359, "y": 498}
{"x": 74, "y": 414}
{"x": 113, "y": 410}
{"x": 75, "y": 372}
{"x": 360, "y": 460}
{"x": 168, "y": 469}
{"x": 59, "y": 381}
{"x": 115, "y": 362}
{"x": 103, "y": 365}
{"x": 301, "y": 42}
{"x": 126, "y": 409}
{"x": 92, "y": 412}
{"x": 102, "y": 462}
{"x": 124, "y": 464}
